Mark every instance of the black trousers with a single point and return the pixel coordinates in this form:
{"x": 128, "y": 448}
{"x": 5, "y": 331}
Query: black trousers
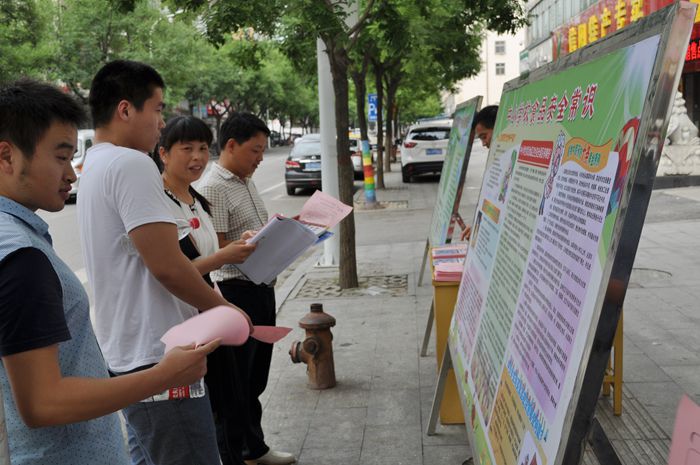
{"x": 243, "y": 372}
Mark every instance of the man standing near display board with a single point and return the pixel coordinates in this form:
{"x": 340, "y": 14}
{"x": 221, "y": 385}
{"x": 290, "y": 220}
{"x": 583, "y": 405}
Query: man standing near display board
{"x": 484, "y": 121}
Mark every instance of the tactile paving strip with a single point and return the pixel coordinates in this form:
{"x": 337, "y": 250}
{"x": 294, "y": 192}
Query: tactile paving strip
{"x": 636, "y": 436}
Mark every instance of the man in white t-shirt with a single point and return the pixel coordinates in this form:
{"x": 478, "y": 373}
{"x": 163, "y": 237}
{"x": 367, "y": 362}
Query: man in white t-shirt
{"x": 134, "y": 263}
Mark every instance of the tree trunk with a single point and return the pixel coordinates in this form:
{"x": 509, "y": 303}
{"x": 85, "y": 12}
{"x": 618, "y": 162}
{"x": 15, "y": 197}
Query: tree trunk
{"x": 358, "y": 78}
{"x": 391, "y": 88}
{"x": 378, "y": 74}
{"x": 397, "y": 129}
{"x": 347, "y": 276}
{"x": 389, "y": 136}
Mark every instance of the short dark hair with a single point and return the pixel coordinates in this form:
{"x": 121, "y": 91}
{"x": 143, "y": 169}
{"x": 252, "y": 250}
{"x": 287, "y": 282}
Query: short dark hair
{"x": 121, "y": 80}
{"x": 487, "y": 116}
{"x": 28, "y": 108}
{"x": 241, "y": 127}
{"x": 184, "y": 129}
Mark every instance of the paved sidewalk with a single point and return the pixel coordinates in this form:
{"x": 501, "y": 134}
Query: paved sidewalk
{"x": 378, "y": 412}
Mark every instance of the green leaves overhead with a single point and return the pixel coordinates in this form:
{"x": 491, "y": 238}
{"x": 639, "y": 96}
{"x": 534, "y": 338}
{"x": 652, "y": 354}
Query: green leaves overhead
{"x": 67, "y": 42}
{"x": 24, "y": 46}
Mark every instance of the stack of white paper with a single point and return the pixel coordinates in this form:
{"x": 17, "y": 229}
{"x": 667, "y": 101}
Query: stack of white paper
{"x": 282, "y": 240}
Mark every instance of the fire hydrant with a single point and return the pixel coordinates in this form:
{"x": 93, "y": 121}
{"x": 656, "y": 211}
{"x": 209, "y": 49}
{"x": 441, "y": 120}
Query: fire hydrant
{"x": 317, "y": 349}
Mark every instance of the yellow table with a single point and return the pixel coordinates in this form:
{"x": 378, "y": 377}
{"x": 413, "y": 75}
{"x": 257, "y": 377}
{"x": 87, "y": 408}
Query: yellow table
{"x": 613, "y": 373}
{"x": 444, "y": 299}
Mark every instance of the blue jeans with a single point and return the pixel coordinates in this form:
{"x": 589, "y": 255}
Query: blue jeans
{"x": 172, "y": 432}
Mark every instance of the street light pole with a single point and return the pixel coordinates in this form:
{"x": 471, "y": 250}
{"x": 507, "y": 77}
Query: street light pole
{"x": 329, "y": 152}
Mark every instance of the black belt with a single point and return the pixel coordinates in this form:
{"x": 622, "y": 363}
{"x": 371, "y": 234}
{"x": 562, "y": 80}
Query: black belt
{"x": 113, "y": 374}
{"x": 245, "y": 283}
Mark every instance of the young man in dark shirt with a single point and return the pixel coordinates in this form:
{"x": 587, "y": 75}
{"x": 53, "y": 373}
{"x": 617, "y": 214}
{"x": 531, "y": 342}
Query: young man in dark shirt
{"x": 52, "y": 371}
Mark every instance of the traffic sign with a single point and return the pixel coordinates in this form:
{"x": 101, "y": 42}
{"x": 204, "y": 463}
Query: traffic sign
{"x": 372, "y": 107}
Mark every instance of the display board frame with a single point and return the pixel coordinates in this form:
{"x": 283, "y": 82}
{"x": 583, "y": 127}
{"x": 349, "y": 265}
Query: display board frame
{"x": 672, "y": 25}
{"x": 633, "y": 208}
{"x": 437, "y": 226}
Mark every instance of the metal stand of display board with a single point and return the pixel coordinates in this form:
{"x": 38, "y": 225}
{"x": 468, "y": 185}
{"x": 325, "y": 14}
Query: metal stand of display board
{"x": 445, "y": 367}
{"x": 426, "y": 251}
{"x": 428, "y": 330}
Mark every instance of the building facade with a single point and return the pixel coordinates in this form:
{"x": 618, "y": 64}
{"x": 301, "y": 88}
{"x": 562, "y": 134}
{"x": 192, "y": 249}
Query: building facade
{"x": 500, "y": 62}
{"x": 560, "y": 27}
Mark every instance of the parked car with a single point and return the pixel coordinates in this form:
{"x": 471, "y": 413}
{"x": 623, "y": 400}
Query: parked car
{"x": 276, "y": 139}
{"x": 309, "y": 136}
{"x": 303, "y": 165}
{"x": 86, "y": 138}
{"x": 356, "y": 157}
{"x": 424, "y": 148}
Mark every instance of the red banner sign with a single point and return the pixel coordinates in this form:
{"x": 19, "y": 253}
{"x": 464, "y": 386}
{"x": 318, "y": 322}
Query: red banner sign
{"x": 600, "y": 20}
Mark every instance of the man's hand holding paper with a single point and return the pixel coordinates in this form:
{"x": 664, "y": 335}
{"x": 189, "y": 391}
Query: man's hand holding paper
{"x": 282, "y": 240}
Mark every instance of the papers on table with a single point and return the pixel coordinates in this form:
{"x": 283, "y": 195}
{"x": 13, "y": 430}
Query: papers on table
{"x": 282, "y": 240}
{"x": 448, "y": 262}
{"x": 448, "y": 271}
{"x": 450, "y": 251}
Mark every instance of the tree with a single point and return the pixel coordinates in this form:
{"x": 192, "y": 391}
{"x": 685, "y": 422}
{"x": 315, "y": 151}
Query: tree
{"x": 358, "y": 73}
{"x": 326, "y": 20}
{"x": 437, "y": 41}
{"x": 89, "y": 33}
{"x": 443, "y": 30}
{"x": 329, "y": 22}
{"x": 25, "y": 46}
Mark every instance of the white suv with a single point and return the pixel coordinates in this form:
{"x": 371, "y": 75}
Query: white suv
{"x": 86, "y": 138}
{"x": 424, "y": 148}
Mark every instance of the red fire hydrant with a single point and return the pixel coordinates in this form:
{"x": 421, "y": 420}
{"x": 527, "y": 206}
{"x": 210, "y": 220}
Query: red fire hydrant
{"x": 317, "y": 349}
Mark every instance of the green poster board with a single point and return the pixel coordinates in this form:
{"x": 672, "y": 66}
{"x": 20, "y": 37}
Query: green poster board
{"x": 566, "y": 186}
{"x": 453, "y": 172}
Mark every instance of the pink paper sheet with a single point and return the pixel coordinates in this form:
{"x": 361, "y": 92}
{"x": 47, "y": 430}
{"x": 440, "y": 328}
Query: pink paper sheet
{"x": 685, "y": 446}
{"x": 323, "y": 210}
{"x": 219, "y": 322}
{"x": 269, "y": 334}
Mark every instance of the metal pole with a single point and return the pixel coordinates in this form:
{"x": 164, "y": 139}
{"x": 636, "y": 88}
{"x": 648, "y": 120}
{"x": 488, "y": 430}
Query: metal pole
{"x": 329, "y": 153}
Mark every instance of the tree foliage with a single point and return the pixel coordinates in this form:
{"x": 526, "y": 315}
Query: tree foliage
{"x": 437, "y": 38}
{"x": 259, "y": 55}
{"x": 25, "y": 50}
{"x": 68, "y": 41}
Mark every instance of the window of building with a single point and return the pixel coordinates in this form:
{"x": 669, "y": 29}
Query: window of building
{"x": 500, "y": 69}
{"x": 500, "y": 47}
{"x": 559, "y": 8}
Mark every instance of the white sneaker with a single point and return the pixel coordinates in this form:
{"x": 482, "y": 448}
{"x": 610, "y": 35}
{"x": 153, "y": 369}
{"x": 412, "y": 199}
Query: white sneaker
{"x": 273, "y": 457}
